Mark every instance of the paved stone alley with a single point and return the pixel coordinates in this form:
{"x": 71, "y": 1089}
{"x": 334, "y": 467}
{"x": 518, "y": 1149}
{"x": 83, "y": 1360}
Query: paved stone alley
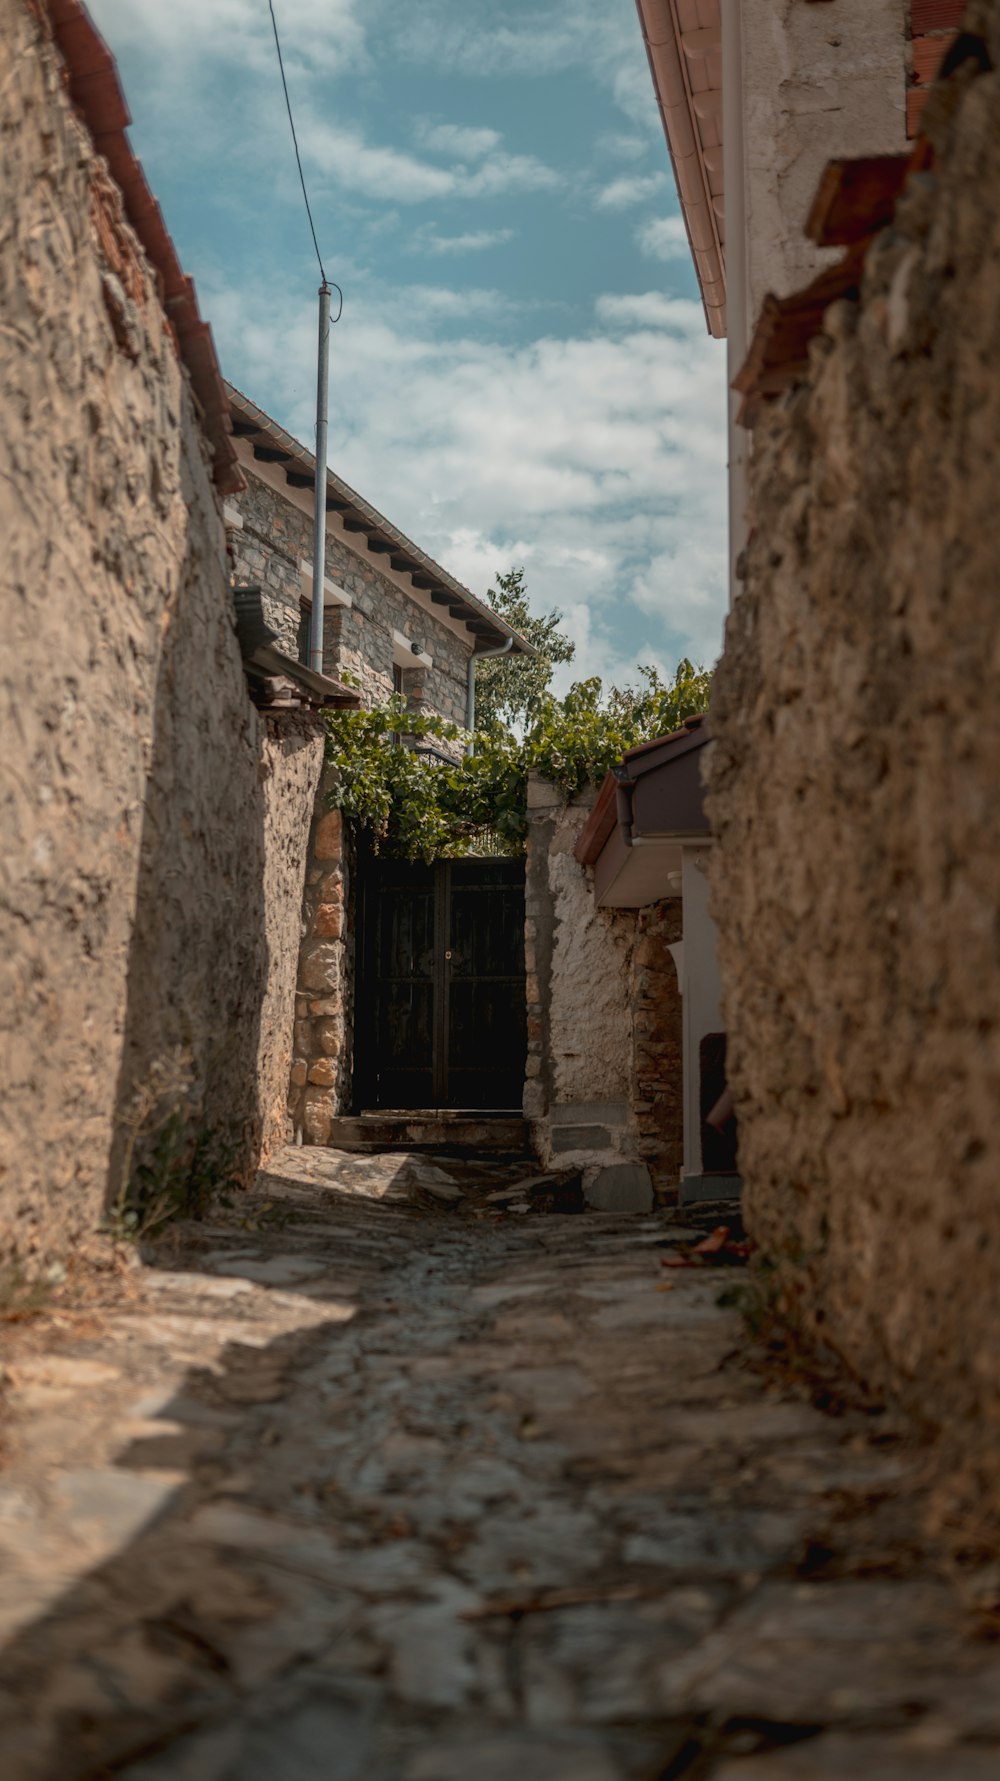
{"x": 384, "y": 1474}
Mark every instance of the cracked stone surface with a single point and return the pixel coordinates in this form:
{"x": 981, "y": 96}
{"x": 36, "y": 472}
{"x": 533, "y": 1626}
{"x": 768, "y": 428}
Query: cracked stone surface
{"x": 364, "y": 1480}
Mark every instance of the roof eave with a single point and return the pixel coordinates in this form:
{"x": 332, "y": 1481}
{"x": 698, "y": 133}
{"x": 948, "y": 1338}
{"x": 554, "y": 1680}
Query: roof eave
{"x": 251, "y": 421}
{"x": 667, "y": 56}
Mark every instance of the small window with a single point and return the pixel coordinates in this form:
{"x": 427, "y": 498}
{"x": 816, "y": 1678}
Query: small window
{"x": 305, "y": 626}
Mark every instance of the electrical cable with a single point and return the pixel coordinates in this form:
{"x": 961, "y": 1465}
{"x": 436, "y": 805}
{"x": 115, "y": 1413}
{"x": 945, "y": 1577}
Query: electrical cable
{"x": 327, "y": 285}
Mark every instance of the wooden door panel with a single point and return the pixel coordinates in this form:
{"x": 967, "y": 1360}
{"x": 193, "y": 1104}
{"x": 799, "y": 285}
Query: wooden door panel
{"x": 441, "y": 999}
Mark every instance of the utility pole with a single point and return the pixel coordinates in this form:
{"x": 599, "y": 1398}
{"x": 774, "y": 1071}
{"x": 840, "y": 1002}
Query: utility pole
{"x": 319, "y": 516}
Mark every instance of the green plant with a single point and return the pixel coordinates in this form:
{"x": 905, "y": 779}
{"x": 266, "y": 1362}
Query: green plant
{"x": 168, "y": 1169}
{"x": 425, "y": 806}
{"x": 510, "y": 688}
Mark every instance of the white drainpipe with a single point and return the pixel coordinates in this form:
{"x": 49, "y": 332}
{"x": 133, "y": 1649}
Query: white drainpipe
{"x": 737, "y": 280}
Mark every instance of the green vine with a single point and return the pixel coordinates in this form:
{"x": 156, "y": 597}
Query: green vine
{"x": 431, "y": 799}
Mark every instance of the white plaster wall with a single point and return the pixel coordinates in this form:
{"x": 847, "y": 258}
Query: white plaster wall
{"x": 819, "y": 81}
{"x": 591, "y": 1022}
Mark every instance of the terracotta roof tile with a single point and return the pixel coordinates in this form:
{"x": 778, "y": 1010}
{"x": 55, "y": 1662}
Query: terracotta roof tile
{"x": 96, "y": 92}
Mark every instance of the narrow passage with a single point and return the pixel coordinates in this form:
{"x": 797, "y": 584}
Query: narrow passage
{"x": 380, "y": 1477}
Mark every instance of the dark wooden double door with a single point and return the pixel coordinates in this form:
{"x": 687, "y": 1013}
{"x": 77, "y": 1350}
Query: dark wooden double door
{"x": 441, "y": 1003}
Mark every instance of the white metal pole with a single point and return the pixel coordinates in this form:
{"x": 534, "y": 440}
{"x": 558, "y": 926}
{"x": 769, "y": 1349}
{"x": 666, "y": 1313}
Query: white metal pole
{"x": 319, "y": 517}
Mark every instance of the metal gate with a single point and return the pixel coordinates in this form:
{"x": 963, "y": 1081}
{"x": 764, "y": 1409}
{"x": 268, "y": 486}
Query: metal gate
{"x": 441, "y": 1006}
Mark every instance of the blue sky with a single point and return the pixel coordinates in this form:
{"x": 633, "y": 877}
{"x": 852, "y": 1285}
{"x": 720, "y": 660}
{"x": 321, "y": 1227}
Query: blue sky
{"x": 522, "y": 372}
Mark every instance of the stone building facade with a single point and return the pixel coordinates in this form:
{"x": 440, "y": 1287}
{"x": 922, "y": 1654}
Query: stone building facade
{"x": 854, "y": 793}
{"x": 394, "y": 622}
{"x": 154, "y": 825}
{"x": 271, "y": 538}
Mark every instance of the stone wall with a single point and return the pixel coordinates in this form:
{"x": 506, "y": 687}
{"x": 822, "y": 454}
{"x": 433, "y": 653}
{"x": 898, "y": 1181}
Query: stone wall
{"x": 275, "y": 537}
{"x": 604, "y": 1088}
{"x": 658, "y": 1064}
{"x": 322, "y": 1070}
{"x": 292, "y": 762}
{"x": 137, "y": 926}
{"x": 854, "y": 794}
{"x": 270, "y": 536}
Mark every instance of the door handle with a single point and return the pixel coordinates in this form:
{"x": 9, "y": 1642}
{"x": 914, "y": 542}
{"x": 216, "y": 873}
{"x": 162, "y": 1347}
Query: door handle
{"x": 447, "y": 955}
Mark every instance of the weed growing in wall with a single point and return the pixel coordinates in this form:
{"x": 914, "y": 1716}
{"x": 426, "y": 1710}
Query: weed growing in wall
{"x": 169, "y": 1169}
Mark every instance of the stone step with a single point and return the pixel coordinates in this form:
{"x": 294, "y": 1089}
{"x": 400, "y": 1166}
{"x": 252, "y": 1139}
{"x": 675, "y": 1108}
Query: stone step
{"x": 726, "y": 1188}
{"x": 493, "y": 1134}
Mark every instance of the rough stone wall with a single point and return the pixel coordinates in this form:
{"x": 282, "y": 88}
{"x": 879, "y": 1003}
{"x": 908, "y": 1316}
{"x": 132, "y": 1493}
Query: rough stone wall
{"x": 276, "y": 535}
{"x": 820, "y": 81}
{"x": 322, "y": 1070}
{"x": 604, "y": 1073}
{"x": 133, "y": 888}
{"x": 853, "y": 789}
{"x": 658, "y": 1063}
{"x": 292, "y": 763}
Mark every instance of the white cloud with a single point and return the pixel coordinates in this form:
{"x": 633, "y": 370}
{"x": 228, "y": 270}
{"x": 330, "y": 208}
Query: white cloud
{"x": 599, "y": 35}
{"x": 400, "y": 178}
{"x": 597, "y": 461}
{"x": 631, "y": 188}
{"x": 650, "y": 309}
{"x": 315, "y": 34}
{"x": 430, "y": 242}
{"x": 624, "y": 147}
{"x": 663, "y": 238}
{"x": 463, "y": 140}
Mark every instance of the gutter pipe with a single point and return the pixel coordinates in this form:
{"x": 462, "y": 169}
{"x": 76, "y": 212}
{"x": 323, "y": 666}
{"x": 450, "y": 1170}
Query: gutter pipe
{"x": 478, "y": 655}
{"x": 736, "y": 273}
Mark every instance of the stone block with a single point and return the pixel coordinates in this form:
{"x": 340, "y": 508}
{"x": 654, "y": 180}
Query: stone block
{"x": 317, "y": 1115}
{"x": 542, "y": 794}
{"x": 331, "y": 888}
{"x": 534, "y": 1100}
{"x": 323, "y": 1073}
{"x": 329, "y": 921}
{"x": 319, "y": 964}
{"x": 581, "y": 1137}
{"x": 299, "y": 1072}
{"x": 328, "y": 839}
{"x": 327, "y": 1005}
{"x": 589, "y": 1113}
{"x": 330, "y": 1036}
{"x": 302, "y": 1037}
{"x": 618, "y": 1187}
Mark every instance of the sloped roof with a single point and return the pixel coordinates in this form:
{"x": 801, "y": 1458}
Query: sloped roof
{"x": 271, "y": 444}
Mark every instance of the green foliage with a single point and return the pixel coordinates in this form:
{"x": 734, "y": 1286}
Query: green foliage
{"x": 580, "y": 737}
{"x": 510, "y": 689}
{"x": 423, "y": 806}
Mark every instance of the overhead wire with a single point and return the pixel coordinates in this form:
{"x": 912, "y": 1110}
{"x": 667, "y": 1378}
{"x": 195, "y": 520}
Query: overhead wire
{"x": 327, "y": 284}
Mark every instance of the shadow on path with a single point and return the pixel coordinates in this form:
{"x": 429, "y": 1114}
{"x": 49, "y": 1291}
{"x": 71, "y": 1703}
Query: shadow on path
{"x": 355, "y": 1489}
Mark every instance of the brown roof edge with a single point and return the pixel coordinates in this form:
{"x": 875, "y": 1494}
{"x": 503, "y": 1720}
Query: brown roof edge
{"x": 96, "y": 92}
{"x": 596, "y": 830}
{"x": 254, "y": 421}
{"x": 665, "y": 54}
{"x": 854, "y": 200}
{"x": 693, "y": 726}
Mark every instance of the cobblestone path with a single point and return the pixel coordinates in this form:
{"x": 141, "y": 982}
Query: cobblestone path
{"x": 367, "y": 1482}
